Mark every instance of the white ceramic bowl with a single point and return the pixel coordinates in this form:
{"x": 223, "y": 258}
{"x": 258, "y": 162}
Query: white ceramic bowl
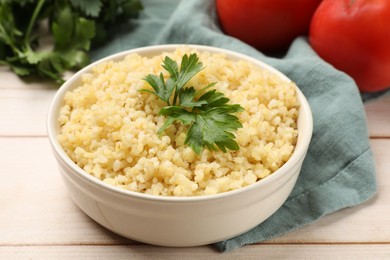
{"x": 179, "y": 221}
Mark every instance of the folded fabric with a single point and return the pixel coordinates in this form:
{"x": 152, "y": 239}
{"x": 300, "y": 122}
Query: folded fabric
{"x": 338, "y": 171}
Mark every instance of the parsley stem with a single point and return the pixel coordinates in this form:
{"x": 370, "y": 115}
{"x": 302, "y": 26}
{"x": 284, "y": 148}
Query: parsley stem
{"x": 34, "y": 17}
{"x": 8, "y": 40}
{"x": 175, "y": 96}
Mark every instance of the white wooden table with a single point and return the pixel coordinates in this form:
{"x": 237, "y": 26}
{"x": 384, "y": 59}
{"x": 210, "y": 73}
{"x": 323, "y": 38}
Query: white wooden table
{"x": 38, "y": 219}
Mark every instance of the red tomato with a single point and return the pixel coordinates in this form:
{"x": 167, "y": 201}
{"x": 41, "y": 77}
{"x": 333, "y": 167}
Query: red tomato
{"x": 354, "y": 36}
{"x": 268, "y": 25}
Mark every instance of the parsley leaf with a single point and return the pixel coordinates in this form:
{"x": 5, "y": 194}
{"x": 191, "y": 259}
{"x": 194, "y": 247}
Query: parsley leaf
{"x": 206, "y": 131}
{"x": 207, "y": 112}
{"x": 175, "y": 113}
{"x": 186, "y": 98}
{"x": 162, "y": 89}
{"x": 89, "y": 7}
{"x": 214, "y": 124}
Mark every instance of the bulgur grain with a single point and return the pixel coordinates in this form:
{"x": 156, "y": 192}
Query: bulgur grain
{"x": 109, "y": 128}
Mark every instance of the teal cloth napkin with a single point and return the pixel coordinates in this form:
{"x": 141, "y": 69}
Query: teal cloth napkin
{"x": 338, "y": 171}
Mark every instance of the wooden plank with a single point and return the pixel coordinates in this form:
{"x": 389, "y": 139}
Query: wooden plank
{"x": 10, "y": 80}
{"x": 378, "y": 116}
{"x": 36, "y": 208}
{"x": 23, "y": 111}
{"x": 35, "y": 205}
{"x": 135, "y": 252}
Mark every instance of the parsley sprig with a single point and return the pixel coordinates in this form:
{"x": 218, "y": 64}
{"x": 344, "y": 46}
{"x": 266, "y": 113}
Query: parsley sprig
{"x": 206, "y": 111}
{"x": 71, "y": 28}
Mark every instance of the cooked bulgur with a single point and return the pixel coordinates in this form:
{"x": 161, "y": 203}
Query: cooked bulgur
{"x": 109, "y": 128}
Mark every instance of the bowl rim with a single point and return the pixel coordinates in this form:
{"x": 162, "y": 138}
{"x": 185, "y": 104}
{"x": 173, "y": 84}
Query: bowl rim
{"x": 51, "y": 125}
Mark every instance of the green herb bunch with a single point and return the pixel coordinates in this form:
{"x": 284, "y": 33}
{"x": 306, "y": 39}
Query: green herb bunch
{"x": 206, "y": 111}
{"x": 72, "y": 25}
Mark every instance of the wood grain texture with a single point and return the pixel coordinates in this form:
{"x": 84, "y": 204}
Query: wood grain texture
{"x": 10, "y": 80}
{"x": 378, "y": 116}
{"x": 23, "y": 111}
{"x": 255, "y": 252}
